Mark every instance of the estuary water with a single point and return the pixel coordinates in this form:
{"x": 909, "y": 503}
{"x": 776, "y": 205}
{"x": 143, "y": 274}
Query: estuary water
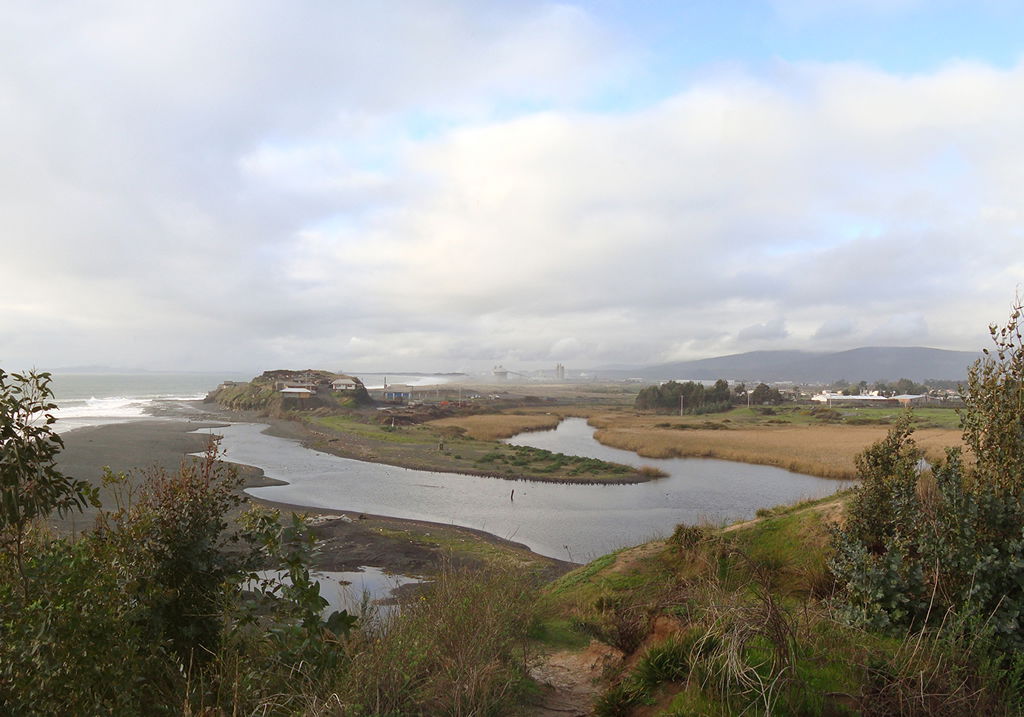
{"x": 351, "y": 590}
{"x": 570, "y": 522}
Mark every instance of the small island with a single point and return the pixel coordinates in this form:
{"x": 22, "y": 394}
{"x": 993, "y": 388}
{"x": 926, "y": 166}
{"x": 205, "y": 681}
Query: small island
{"x": 335, "y": 413}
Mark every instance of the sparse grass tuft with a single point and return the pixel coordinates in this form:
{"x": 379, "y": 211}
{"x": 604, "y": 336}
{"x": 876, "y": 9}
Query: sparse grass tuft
{"x": 460, "y": 648}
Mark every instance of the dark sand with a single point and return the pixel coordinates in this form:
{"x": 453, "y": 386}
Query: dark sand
{"x": 347, "y": 540}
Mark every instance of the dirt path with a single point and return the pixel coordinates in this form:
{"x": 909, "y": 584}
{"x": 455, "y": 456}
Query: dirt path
{"x": 572, "y": 681}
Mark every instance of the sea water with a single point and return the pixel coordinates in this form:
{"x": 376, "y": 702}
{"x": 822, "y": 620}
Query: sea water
{"x": 95, "y": 399}
{"x": 102, "y": 398}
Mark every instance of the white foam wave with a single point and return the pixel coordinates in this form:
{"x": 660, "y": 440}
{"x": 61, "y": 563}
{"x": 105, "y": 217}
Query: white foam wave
{"x": 79, "y": 413}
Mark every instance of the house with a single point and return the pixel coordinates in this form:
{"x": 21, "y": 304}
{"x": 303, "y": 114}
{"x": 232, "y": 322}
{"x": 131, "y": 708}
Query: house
{"x": 344, "y": 384}
{"x": 397, "y": 392}
{"x": 831, "y": 398}
{"x": 296, "y": 392}
{"x": 294, "y": 383}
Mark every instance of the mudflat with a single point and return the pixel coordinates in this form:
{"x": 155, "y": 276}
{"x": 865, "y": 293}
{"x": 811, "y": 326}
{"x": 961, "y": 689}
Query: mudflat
{"x": 347, "y": 540}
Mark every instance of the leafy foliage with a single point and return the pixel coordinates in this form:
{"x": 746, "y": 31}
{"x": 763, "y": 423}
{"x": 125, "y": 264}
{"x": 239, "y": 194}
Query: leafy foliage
{"x": 919, "y": 545}
{"x": 763, "y": 393}
{"x": 77, "y": 647}
{"x": 993, "y": 413}
{"x": 160, "y": 609}
{"x": 688, "y": 397}
{"x": 172, "y": 541}
{"x": 31, "y": 487}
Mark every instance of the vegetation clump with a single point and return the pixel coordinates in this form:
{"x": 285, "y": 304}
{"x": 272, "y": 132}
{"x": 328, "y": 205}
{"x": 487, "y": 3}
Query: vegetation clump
{"x": 926, "y": 546}
{"x": 687, "y": 397}
{"x": 263, "y": 393}
{"x": 540, "y": 460}
{"x": 160, "y": 609}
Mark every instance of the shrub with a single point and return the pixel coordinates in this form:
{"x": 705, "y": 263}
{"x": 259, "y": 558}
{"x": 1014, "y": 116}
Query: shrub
{"x": 919, "y": 546}
{"x": 174, "y": 540}
{"x": 76, "y": 647}
{"x": 31, "y": 486}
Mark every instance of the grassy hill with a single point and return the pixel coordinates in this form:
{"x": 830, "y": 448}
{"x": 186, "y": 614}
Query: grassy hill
{"x": 739, "y": 621}
{"x": 262, "y": 393}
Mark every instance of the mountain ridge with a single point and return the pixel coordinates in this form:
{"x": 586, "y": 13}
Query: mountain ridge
{"x": 867, "y": 363}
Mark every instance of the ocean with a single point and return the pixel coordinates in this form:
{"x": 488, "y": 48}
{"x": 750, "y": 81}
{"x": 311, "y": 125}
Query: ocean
{"x": 95, "y": 399}
{"x": 98, "y": 399}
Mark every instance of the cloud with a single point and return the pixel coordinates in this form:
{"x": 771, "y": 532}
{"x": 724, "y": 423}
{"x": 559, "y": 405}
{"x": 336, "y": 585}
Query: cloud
{"x": 900, "y": 330}
{"x": 441, "y": 185}
{"x": 835, "y": 329}
{"x": 768, "y": 331}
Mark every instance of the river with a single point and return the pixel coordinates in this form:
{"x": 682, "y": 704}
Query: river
{"x": 567, "y": 521}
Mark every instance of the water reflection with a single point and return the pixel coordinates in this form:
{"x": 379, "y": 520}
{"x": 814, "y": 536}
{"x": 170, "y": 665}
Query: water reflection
{"x": 573, "y": 522}
{"x": 351, "y": 590}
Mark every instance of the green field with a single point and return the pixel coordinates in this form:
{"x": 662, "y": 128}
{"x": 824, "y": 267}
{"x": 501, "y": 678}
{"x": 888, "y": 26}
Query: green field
{"x": 448, "y": 448}
{"x": 849, "y": 415}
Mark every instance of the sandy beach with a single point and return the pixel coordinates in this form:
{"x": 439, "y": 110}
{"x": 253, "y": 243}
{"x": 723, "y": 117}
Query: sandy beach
{"x": 347, "y": 540}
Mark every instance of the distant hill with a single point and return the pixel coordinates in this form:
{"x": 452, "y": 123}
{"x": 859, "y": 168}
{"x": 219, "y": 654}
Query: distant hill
{"x": 873, "y": 363}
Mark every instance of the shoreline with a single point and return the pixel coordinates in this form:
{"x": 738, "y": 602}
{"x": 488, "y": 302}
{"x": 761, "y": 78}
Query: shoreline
{"x": 320, "y": 441}
{"x": 347, "y": 540}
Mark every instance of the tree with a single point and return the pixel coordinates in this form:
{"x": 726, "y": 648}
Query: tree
{"x": 905, "y": 385}
{"x": 31, "y": 487}
{"x": 739, "y": 392}
{"x": 920, "y": 545}
{"x": 719, "y": 393}
{"x": 763, "y": 393}
{"x": 687, "y": 397}
{"x": 993, "y": 412}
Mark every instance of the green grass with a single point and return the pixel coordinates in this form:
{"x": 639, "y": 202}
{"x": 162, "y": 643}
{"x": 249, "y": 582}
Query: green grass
{"x": 419, "y": 446}
{"x": 582, "y": 576}
{"x": 544, "y": 461}
{"x": 852, "y": 415}
{"x": 374, "y": 431}
{"x": 558, "y": 633}
{"x": 458, "y": 544}
{"x": 247, "y": 396}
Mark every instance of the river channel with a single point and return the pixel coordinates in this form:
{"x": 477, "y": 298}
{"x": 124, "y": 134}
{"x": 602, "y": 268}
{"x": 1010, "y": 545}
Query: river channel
{"x": 571, "y": 522}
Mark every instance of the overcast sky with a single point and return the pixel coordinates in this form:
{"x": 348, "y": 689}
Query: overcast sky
{"x": 446, "y": 186}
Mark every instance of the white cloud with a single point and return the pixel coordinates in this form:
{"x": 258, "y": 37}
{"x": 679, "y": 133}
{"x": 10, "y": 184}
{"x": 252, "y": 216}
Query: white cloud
{"x": 767, "y": 331}
{"x": 900, "y": 329}
{"x": 362, "y": 186}
{"x": 841, "y": 328}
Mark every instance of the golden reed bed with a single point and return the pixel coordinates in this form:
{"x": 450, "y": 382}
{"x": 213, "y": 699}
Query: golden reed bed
{"x": 826, "y": 451}
{"x": 822, "y": 450}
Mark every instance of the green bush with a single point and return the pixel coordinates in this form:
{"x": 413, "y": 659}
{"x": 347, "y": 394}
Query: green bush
{"x": 920, "y": 545}
{"x": 77, "y": 647}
